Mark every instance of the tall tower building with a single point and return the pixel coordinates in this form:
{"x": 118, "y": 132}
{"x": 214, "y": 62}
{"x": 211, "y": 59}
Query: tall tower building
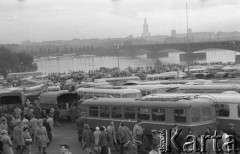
{"x": 145, "y": 29}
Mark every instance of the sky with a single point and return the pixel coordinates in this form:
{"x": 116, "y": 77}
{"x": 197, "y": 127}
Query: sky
{"x": 44, "y": 20}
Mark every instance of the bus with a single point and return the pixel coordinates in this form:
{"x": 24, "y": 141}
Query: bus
{"x": 166, "y": 76}
{"x": 227, "y": 109}
{"x": 210, "y": 88}
{"x": 86, "y": 93}
{"x": 63, "y": 100}
{"x": 17, "y": 76}
{"x": 227, "y": 106}
{"x": 196, "y": 113}
{"x": 152, "y": 89}
{"x": 118, "y": 81}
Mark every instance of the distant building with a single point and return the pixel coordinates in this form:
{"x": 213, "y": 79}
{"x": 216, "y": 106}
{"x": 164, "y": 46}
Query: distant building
{"x": 145, "y": 29}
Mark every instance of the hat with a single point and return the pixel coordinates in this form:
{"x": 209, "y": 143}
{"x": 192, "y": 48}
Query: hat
{"x": 4, "y": 131}
{"x": 155, "y": 146}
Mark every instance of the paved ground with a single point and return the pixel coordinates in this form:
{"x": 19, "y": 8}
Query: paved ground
{"x": 66, "y": 134}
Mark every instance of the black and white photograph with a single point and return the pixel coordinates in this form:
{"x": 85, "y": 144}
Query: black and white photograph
{"x": 119, "y": 76}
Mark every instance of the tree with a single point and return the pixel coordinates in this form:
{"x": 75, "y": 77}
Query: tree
{"x": 11, "y": 62}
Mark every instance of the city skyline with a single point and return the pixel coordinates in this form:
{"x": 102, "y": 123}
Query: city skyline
{"x": 44, "y": 20}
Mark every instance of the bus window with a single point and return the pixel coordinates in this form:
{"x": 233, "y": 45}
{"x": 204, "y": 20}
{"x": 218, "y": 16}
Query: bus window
{"x": 196, "y": 115}
{"x": 97, "y": 95}
{"x": 179, "y": 115}
{"x": 103, "y": 95}
{"x": 129, "y": 113}
{"x": 117, "y": 112}
{"x": 93, "y": 111}
{"x": 117, "y": 95}
{"x": 128, "y": 96}
{"x": 144, "y": 93}
{"x": 105, "y": 111}
{"x": 206, "y": 113}
{"x": 222, "y": 110}
{"x": 143, "y": 114}
{"x": 158, "y": 114}
{"x": 110, "y": 95}
{"x": 154, "y": 91}
{"x": 85, "y": 95}
{"x": 81, "y": 95}
{"x": 148, "y": 92}
{"x": 91, "y": 95}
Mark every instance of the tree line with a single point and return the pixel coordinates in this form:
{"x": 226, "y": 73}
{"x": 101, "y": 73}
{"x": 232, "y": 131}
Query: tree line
{"x": 12, "y": 62}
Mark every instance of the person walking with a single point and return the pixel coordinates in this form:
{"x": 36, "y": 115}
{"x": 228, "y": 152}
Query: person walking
{"x": 103, "y": 141}
{"x": 96, "y": 134}
{"x": 17, "y": 137}
{"x": 50, "y": 122}
{"x": 48, "y": 128}
{"x": 138, "y": 133}
{"x": 111, "y": 134}
{"x": 87, "y": 138}
{"x": 56, "y": 116}
{"x": 124, "y": 135}
{"x": 33, "y": 124}
{"x": 41, "y": 137}
{"x": 7, "y": 143}
{"x": 80, "y": 126}
{"x": 27, "y": 141}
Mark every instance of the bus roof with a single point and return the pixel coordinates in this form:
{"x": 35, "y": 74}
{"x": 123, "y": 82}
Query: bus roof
{"x": 118, "y": 91}
{"x": 151, "y": 87}
{"x": 182, "y": 103}
{"x": 210, "y": 86}
{"x": 217, "y": 98}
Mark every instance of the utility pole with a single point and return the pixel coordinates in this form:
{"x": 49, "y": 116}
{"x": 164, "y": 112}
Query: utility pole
{"x": 188, "y": 51}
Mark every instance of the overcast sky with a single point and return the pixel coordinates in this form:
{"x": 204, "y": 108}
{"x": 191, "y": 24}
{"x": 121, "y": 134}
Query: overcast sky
{"x": 41, "y": 20}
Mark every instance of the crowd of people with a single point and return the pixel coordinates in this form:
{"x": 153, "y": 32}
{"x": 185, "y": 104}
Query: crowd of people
{"x": 23, "y": 126}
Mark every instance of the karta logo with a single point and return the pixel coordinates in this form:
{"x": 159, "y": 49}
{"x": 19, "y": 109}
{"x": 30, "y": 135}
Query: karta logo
{"x": 169, "y": 142}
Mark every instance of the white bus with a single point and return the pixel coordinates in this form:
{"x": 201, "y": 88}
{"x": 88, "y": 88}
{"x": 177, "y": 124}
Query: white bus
{"x": 86, "y": 93}
{"x": 118, "y": 81}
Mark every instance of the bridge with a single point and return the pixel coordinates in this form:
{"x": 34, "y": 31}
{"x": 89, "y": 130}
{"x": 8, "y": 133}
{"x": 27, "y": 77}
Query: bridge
{"x": 155, "y": 50}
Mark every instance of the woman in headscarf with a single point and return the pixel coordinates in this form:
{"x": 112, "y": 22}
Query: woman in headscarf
{"x": 41, "y": 137}
{"x": 87, "y": 138}
{"x": 7, "y": 143}
{"x": 27, "y": 141}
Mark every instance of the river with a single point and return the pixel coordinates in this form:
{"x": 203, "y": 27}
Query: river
{"x": 87, "y": 63}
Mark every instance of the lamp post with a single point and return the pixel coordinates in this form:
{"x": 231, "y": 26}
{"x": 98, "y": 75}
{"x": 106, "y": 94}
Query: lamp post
{"x": 118, "y": 56}
{"x": 188, "y": 52}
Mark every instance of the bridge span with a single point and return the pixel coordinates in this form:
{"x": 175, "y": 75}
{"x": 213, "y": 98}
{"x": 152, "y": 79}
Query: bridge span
{"x": 155, "y": 50}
